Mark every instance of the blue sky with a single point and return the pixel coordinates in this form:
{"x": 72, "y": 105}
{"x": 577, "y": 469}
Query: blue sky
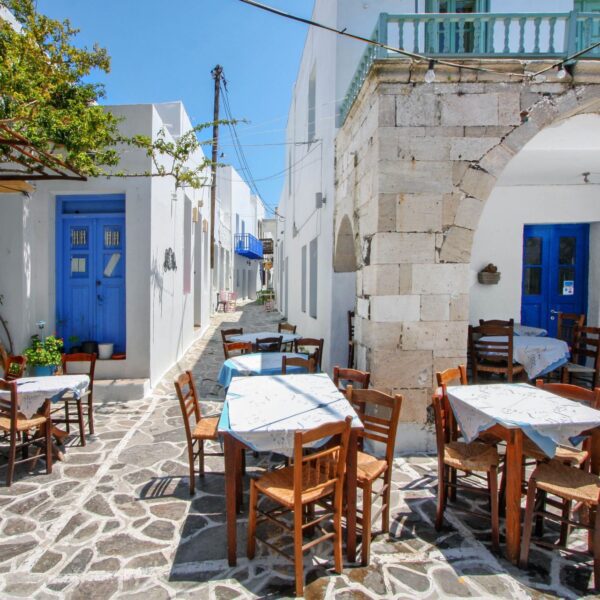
{"x": 164, "y": 50}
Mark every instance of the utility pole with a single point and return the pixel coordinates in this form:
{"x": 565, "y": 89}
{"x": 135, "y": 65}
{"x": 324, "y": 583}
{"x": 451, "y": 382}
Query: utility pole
{"x": 217, "y": 73}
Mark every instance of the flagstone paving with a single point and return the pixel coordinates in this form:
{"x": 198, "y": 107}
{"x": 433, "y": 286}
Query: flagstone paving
{"x": 115, "y": 520}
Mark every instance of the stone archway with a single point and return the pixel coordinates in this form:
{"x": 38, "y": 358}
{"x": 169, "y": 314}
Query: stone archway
{"x": 415, "y": 164}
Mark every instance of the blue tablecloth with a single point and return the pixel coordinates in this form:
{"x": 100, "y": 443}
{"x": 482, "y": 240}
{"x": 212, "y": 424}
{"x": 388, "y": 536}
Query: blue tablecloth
{"x": 259, "y": 363}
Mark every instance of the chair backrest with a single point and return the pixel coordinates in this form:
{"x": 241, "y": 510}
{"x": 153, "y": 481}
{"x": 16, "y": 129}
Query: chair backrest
{"x": 81, "y": 357}
{"x": 321, "y": 471}
{"x": 498, "y": 351}
{"x": 358, "y": 379}
{"x": 379, "y": 414}
{"x": 15, "y": 367}
{"x": 9, "y": 407}
{"x": 269, "y": 344}
{"x": 572, "y": 392}
{"x": 287, "y": 327}
{"x": 567, "y": 324}
{"x": 586, "y": 344}
{"x": 296, "y": 361}
{"x": 227, "y": 333}
{"x": 188, "y": 401}
{"x": 236, "y": 348}
{"x": 497, "y": 322}
{"x": 306, "y": 344}
{"x": 453, "y": 375}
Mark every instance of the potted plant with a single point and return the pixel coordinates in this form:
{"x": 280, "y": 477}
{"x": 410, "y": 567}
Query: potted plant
{"x": 43, "y": 355}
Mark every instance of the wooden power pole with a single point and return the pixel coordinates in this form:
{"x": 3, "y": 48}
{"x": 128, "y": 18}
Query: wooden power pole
{"x": 217, "y": 73}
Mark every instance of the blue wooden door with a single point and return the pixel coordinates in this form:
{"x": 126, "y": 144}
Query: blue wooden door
{"x": 555, "y": 269}
{"x": 91, "y": 279}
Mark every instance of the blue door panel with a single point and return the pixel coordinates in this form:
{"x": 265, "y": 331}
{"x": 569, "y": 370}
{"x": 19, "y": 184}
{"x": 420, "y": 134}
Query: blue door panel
{"x": 91, "y": 270}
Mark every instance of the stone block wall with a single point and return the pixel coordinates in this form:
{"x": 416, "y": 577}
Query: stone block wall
{"x": 415, "y": 163}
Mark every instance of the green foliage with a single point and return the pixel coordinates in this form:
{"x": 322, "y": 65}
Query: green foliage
{"x": 44, "y": 352}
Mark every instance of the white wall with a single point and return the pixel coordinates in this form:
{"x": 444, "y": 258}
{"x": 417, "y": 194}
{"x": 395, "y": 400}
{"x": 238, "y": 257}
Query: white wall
{"x": 499, "y": 240}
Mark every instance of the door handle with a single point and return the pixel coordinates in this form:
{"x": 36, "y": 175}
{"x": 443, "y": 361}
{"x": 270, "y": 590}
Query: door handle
{"x": 554, "y": 312}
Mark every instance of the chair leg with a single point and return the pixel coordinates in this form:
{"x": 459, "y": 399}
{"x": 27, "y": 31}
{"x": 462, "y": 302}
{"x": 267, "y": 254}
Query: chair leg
{"x": 528, "y": 525}
{"x": 493, "y": 487}
{"x": 81, "y": 424}
{"x": 366, "y": 524}
{"x": 251, "y": 547}
{"x": 596, "y": 543}
{"x": 192, "y": 465}
{"x": 564, "y": 526}
{"x": 539, "y": 520}
{"x": 48, "y": 440}
{"x": 452, "y": 489}
{"x": 441, "y": 505}
{"x": 67, "y": 417}
{"x": 298, "y": 554}
{"x": 90, "y": 404}
{"x": 385, "y": 513}
{"x": 337, "y": 540}
{"x": 12, "y": 455}
{"x": 201, "y": 456}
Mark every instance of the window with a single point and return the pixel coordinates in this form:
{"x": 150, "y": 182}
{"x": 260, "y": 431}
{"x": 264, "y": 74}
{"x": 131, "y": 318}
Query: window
{"x": 313, "y": 279}
{"x": 303, "y": 289}
{"x": 312, "y": 104}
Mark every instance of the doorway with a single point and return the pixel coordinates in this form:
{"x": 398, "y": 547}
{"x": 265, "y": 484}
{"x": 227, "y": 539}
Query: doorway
{"x": 90, "y": 270}
{"x": 555, "y": 273}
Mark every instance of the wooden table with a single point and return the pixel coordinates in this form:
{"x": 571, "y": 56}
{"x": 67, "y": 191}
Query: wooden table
{"x": 262, "y": 414}
{"x": 511, "y": 411}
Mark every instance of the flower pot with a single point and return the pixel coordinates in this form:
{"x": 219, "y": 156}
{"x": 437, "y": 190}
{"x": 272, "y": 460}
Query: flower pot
{"x": 89, "y": 347}
{"x": 105, "y": 351}
{"x": 43, "y": 370}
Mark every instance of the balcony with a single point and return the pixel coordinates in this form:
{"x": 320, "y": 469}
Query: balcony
{"x": 247, "y": 245}
{"x": 529, "y": 36}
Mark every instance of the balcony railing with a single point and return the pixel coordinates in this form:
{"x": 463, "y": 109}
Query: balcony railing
{"x": 247, "y": 245}
{"x": 478, "y": 35}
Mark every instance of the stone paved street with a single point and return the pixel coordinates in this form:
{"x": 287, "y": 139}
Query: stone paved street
{"x": 115, "y": 520}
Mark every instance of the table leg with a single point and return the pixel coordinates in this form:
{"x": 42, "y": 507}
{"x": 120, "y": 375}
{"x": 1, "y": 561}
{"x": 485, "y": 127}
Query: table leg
{"x": 351, "y": 496}
{"x": 514, "y": 480}
{"x": 231, "y": 449}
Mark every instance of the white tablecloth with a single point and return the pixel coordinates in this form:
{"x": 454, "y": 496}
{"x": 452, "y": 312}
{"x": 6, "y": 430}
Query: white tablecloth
{"x": 539, "y": 355}
{"x": 265, "y": 412}
{"x": 33, "y": 391}
{"x": 252, "y": 337}
{"x": 546, "y": 418}
{"x": 527, "y": 330}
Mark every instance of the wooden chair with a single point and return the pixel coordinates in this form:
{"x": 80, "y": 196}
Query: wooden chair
{"x": 316, "y": 477}
{"x": 227, "y": 333}
{"x": 358, "y": 379}
{"x": 493, "y": 357}
{"x": 236, "y": 348}
{"x": 16, "y": 367}
{"x": 269, "y": 344}
{"x": 296, "y": 361}
{"x": 287, "y": 328}
{"x": 202, "y": 428}
{"x": 570, "y": 485}
{"x": 350, "y": 339}
{"x": 586, "y": 349}
{"x": 69, "y": 399}
{"x": 498, "y": 322}
{"x": 306, "y": 344}
{"x": 566, "y": 325}
{"x": 456, "y": 456}
{"x": 18, "y": 429}
{"x": 379, "y": 414}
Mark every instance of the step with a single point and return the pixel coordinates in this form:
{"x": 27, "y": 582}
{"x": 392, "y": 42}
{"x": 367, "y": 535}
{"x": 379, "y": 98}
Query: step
{"x": 119, "y": 390}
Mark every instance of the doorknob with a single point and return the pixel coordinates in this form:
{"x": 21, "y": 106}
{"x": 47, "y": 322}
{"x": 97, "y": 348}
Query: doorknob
{"x": 554, "y": 312}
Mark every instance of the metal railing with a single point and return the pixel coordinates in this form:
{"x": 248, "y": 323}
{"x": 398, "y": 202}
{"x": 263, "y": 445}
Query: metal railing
{"x": 477, "y": 35}
{"x": 247, "y": 245}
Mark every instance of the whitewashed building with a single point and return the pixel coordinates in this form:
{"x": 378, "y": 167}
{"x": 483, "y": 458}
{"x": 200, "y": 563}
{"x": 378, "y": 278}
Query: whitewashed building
{"x": 112, "y": 260}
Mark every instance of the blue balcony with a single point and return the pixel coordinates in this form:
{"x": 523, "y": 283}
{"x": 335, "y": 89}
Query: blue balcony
{"x": 460, "y": 36}
{"x": 247, "y": 245}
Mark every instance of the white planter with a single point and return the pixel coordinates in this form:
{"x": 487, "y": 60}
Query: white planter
{"x": 105, "y": 351}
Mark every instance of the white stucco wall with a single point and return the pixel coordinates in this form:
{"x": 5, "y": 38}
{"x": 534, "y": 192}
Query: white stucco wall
{"x": 499, "y": 239}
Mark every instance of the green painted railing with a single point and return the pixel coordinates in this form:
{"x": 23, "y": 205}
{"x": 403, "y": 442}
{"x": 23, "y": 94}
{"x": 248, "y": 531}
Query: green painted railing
{"x": 477, "y": 35}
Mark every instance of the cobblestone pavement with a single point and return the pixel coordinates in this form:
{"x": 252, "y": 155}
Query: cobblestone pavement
{"x": 115, "y": 520}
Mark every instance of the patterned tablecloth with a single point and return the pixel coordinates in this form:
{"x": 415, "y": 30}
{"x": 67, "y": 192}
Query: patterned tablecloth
{"x": 33, "y": 391}
{"x": 265, "y": 412}
{"x": 547, "y": 419}
{"x": 539, "y": 355}
{"x": 527, "y": 330}
{"x": 259, "y": 363}
{"x": 252, "y": 337}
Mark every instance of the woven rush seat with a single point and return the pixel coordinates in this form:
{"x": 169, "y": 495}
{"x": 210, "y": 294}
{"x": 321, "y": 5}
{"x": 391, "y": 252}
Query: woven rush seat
{"x": 369, "y": 467}
{"x": 23, "y": 423}
{"x": 279, "y": 484}
{"x": 470, "y": 457}
{"x": 206, "y": 428}
{"x": 574, "y": 368}
{"x": 567, "y": 482}
{"x": 564, "y": 454}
